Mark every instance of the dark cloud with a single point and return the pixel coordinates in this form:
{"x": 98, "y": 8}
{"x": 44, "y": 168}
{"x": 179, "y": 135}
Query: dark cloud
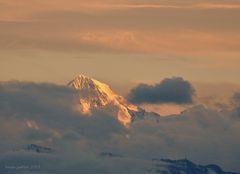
{"x": 170, "y": 90}
{"x": 33, "y": 98}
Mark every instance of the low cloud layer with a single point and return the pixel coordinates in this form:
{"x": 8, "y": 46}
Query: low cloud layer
{"x": 43, "y": 114}
{"x": 236, "y": 99}
{"x": 170, "y": 90}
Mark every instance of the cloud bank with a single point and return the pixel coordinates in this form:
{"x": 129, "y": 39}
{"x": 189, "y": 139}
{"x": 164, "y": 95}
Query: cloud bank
{"x": 170, "y": 90}
{"x": 43, "y": 114}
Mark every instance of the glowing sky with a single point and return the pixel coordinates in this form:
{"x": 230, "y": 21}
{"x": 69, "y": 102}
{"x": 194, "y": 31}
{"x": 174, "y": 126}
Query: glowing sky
{"x": 122, "y": 42}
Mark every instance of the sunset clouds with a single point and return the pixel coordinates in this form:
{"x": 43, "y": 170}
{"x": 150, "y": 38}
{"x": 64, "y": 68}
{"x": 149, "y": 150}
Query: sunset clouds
{"x": 177, "y": 58}
{"x": 156, "y": 27}
{"x": 146, "y": 40}
{"x": 22, "y": 9}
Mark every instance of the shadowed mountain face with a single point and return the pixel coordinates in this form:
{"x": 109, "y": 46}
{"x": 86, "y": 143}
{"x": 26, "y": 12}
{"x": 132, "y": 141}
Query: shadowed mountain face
{"x": 38, "y": 149}
{"x": 184, "y": 166}
{"x": 97, "y": 95}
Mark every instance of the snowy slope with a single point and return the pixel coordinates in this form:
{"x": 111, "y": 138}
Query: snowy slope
{"x": 97, "y": 95}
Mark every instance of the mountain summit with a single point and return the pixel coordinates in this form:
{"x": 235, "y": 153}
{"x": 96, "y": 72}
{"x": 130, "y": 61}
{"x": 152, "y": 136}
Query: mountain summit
{"x": 98, "y": 95}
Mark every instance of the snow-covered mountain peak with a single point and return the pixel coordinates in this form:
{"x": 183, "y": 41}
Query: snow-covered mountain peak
{"x": 82, "y": 82}
{"x": 95, "y": 94}
{"x": 95, "y": 89}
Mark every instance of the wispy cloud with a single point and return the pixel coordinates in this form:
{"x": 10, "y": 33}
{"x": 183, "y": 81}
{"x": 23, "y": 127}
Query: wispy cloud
{"x": 15, "y": 10}
{"x": 78, "y": 25}
{"x": 217, "y": 6}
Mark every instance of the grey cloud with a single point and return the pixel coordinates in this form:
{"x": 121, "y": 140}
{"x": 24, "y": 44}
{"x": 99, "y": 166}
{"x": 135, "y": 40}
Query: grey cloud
{"x": 199, "y": 134}
{"x": 170, "y": 90}
{"x": 236, "y": 98}
{"x": 51, "y": 107}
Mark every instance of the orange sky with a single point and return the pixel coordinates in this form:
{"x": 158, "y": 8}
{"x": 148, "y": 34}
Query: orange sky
{"x": 120, "y": 41}
{"x": 206, "y": 27}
